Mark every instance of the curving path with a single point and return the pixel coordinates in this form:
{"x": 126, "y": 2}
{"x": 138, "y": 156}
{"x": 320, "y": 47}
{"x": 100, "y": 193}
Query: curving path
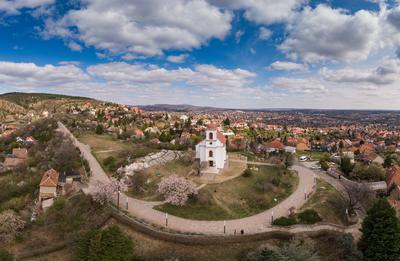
{"x": 144, "y": 210}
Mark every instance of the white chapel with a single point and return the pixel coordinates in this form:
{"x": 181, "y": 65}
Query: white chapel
{"x": 212, "y": 149}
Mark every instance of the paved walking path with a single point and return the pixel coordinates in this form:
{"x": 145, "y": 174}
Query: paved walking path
{"x": 254, "y": 224}
{"x": 252, "y": 162}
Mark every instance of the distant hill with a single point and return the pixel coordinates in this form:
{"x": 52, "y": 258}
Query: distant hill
{"x": 178, "y": 108}
{"x": 193, "y": 108}
{"x": 26, "y": 100}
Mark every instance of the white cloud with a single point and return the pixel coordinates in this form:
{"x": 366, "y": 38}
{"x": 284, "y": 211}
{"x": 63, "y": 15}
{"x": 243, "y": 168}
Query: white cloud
{"x": 13, "y": 7}
{"x": 177, "y": 58}
{"x": 299, "y": 85}
{"x": 31, "y": 75}
{"x": 386, "y": 73}
{"x": 142, "y": 27}
{"x": 206, "y": 77}
{"x": 394, "y": 17}
{"x": 263, "y": 11}
{"x": 265, "y": 33}
{"x": 287, "y": 66}
{"x": 74, "y": 46}
{"x": 128, "y": 57}
{"x": 324, "y": 33}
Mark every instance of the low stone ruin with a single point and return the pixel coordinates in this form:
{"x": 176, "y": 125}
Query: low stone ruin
{"x": 150, "y": 160}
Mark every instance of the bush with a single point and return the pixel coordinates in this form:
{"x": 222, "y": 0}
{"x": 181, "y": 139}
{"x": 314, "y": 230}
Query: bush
{"x": 285, "y": 221}
{"x": 110, "y": 163}
{"x": 5, "y": 255}
{"x": 276, "y": 181}
{"x": 108, "y": 245}
{"x": 324, "y": 165}
{"x": 347, "y": 249}
{"x": 59, "y": 204}
{"x": 99, "y": 129}
{"x": 247, "y": 173}
{"x": 309, "y": 216}
{"x": 263, "y": 253}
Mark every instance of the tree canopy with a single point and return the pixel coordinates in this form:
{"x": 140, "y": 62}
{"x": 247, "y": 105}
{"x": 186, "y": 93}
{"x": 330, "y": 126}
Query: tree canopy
{"x": 380, "y": 233}
{"x": 107, "y": 245}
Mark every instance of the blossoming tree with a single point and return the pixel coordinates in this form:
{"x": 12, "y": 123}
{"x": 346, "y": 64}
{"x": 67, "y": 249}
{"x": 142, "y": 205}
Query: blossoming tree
{"x": 176, "y": 190}
{"x": 10, "y": 224}
{"x": 106, "y": 192}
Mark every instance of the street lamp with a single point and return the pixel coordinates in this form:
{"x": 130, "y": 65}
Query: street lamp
{"x": 272, "y": 217}
{"x": 119, "y": 192}
{"x": 224, "y": 226}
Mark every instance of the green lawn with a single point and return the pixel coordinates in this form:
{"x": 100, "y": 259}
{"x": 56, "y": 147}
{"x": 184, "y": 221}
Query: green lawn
{"x": 328, "y": 202}
{"x": 104, "y": 146}
{"x": 240, "y": 197}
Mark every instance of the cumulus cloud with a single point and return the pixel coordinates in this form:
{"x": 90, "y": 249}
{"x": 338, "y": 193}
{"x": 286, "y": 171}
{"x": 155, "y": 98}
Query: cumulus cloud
{"x": 142, "y": 27}
{"x": 386, "y": 73}
{"x": 31, "y": 75}
{"x": 177, "y": 58}
{"x": 394, "y": 17}
{"x": 287, "y": 66}
{"x": 204, "y": 76}
{"x": 13, "y": 7}
{"x": 299, "y": 85}
{"x": 263, "y": 11}
{"x": 325, "y": 33}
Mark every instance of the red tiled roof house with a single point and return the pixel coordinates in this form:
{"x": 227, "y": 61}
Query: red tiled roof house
{"x": 49, "y": 184}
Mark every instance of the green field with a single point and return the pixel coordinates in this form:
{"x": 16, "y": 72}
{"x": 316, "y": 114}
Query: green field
{"x": 104, "y": 146}
{"x": 328, "y": 202}
{"x": 239, "y": 197}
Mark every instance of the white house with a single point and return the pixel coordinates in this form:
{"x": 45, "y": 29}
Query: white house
{"x": 212, "y": 149}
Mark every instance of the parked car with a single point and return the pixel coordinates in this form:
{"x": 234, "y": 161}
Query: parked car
{"x": 303, "y": 158}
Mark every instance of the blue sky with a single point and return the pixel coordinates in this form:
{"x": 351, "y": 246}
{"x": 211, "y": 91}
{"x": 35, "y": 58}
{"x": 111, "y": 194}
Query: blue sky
{"x": 336, "y": 54}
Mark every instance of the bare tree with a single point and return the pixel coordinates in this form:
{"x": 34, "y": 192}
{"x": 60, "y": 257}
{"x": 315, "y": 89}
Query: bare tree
{"x": 358, "y": 196}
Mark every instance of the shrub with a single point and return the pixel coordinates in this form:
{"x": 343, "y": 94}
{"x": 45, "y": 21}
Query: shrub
{"x": 324, "y": 165}
{"x": 276, "y": 181}
{"x": 247, "y": 173}
{"x": 347, "y": 249}
{"x": 309, "y": 216}
{"x": 108, "y": 245}
{"x": 263, "y": 253}
{"x": 299, "y": 250}
{"x": 5, "y": 255}
{"x": 109, "y": 160}
{"x": 59, "y": 204}
{"x": 99, "y": 129}
{"x": 285, "y": 221}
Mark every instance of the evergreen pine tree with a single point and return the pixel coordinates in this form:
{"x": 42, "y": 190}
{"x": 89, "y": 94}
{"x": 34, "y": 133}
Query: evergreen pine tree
{"x": 380, "y": 233}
